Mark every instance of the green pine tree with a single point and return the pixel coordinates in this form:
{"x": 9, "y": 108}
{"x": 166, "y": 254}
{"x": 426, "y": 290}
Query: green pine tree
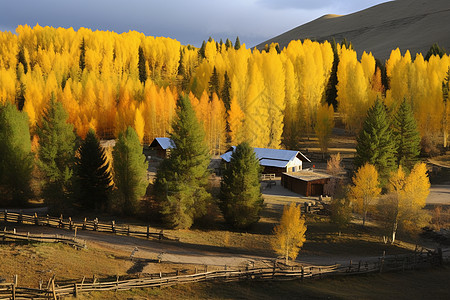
{"x": 435, "y": 50}
{"x": 213, "y": 84}
{"x": 331, "y": 91}
{"x": 82, "y": 60}
{"x": 237, "y": 44}
{"x": 228, "y": 44}
{"x": 93, "y": 176}
{"x": 141, "y": 66}
{"x": 375, "y": 142}
{"x": 56, "y": 154}
{"x": 130, "y": 171}
{"x": 16, "y": 160}
{"x": 21, "y": 59}
{"x": 201, "y": 51}
{"x": 241, "y": 200}
{"x": 182, "y": 178}
{"x": 406, "y": 136}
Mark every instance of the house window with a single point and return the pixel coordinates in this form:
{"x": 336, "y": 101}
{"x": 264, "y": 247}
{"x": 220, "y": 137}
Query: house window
{"x": 293, "y": 169}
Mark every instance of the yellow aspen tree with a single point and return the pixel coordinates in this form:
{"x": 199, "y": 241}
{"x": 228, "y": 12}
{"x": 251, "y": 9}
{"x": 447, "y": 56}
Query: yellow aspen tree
{"x": 236, "y": 119}
{"x": 324, "y": 126}
{"x": 291, "y": 131}
{"x": 289, "y": 235}
{"x": 218, "y": 126}
{"x": 365, "y": 189}
{"x": 274, "y": 96}
{"x": 403, "y": 208}
{"x": 354, "y": 94}
{"x": 139, "y": 124}
{"x": 255, "y": 109}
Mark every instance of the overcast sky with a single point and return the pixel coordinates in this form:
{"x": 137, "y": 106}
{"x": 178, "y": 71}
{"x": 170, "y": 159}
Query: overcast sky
{"x": 188, "y": 21}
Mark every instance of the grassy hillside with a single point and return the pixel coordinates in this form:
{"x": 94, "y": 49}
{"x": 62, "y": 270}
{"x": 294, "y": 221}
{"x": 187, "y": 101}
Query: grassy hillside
{"x": 407, "y": 24}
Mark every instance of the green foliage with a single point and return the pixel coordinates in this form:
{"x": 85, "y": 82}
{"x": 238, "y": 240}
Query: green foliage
{"x": 341, "y": 213}
{"x": 21, "y": 59}
{"x": 435, "y": 50}
{"x": 182, "y": 178}
{"x": 201, "y": 51}
{"x": 130, "y": 171}
{"x": 226, "y": 91}
{"x": 141, "y": 66}
{"x": 406, "y": 136}
{"x": 82, "y": 60}
{"x": 228, "y": 44}
{"x": 375, "y": 142}
{"x": 93, "y": 176}
{"x": 213, "y": 84}
{"x": 16, "y": 160}
{"x": 56, "y": 154}
{"x": 331, "y": 91}
{"x": 237, "y": 43}
{"x": 240, "y": 190}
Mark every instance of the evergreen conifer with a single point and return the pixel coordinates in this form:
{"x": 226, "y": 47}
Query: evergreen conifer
{"x": 240, "y": 190}
{"x": 93, "y": 175}
{"x": 406, "y": 137}
{"x": 182, "y": 178}
{"x": 16, "y": 160}
{"x": 56, "y": 154}
{"x": 237, "y": 44}
{"x": 130, "y": 171}
{"x": 375, "y": 142}
{"x": 141, "y": 66}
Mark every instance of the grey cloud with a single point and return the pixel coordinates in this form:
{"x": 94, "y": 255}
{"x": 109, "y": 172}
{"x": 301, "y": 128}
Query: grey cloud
{"x": 190, "y": 22}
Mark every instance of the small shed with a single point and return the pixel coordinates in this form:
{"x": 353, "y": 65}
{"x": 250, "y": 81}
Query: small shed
{"x": 275, "y": 161}
{"x": 308, "y": 183}
{"x": 161, "y": 146}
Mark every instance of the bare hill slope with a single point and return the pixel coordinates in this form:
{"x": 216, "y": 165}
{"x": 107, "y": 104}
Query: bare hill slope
{"x": 407, "y": 24}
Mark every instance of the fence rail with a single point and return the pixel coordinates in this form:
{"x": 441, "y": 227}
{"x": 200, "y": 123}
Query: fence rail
{"x": 13, "y": 236}
{"x": 93, "y": 225}
{"x": 55, "y": 290}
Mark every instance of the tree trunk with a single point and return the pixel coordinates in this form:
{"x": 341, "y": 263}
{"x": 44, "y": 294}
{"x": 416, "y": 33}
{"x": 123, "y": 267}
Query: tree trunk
{"x": 394, "y": 232}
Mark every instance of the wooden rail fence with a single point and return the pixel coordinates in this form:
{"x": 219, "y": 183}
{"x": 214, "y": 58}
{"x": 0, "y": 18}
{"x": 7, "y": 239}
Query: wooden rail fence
{"x": 13, "y": 236}
{"x": 93, "y": 225}
{"x": 55, "y": 290}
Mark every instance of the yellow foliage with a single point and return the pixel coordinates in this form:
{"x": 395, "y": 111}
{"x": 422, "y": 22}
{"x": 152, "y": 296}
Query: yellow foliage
{"x": 289, "y": 235}
{"x": 365, "y": 189}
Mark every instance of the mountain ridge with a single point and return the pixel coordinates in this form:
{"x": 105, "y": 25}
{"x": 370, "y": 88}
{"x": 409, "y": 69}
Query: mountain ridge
{"x": 412, "y": 25}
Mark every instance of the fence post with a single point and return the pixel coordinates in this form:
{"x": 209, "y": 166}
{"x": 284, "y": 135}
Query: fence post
{"x": 14, "y": 287}
{"x": 61, "y": 224}
{"x": 53, "y": 288}
{"x": 128, "y": 230}
{"x": 113, "y": 226}
{"x": 70, "y": 223}
{"x": 148, "y": 232}
{"x": 273, "y": 271}
{"x": 20, "y": 219}
{"x": 84, "y": 224}
{"x": 6, "y": 216}
{"x": 36, "y": 220}
{"x": 48, "y": 220}
{"x": 95, "y": 224}
{"x": 75, "y": 290}
{"x": 303, "y": 273}
{"x": 359, "y": 266}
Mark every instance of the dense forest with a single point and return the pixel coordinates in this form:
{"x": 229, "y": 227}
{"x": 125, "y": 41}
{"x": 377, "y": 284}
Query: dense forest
{"x": 270, "y": 98}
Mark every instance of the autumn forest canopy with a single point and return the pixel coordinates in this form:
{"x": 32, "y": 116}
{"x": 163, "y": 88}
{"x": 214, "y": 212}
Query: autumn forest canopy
{"x": 270, "y": 98}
